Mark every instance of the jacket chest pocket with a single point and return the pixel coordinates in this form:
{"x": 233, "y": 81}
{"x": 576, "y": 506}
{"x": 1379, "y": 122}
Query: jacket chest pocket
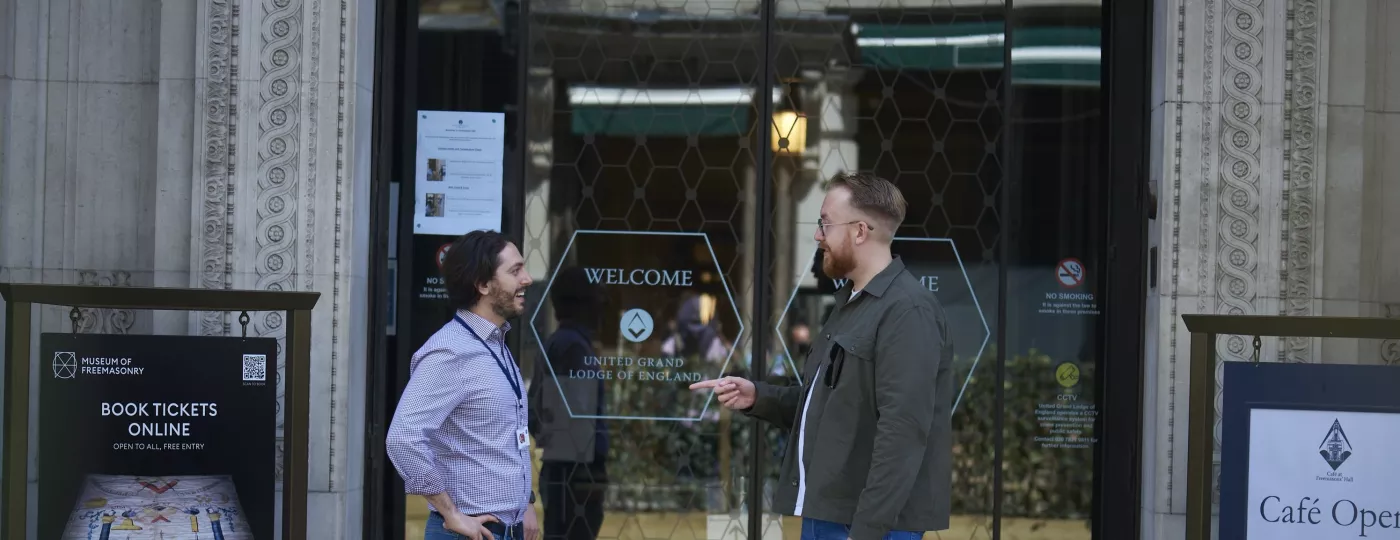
{"x": 848, "y": 355}
{"x": 848, "y": 406}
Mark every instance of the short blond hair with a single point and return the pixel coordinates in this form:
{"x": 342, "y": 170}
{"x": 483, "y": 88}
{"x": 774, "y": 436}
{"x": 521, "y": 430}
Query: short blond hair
{"x": 875, "y": 196}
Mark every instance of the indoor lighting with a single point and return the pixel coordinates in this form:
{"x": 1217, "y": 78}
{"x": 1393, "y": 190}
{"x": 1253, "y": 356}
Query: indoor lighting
{"x": 791, "y": 126}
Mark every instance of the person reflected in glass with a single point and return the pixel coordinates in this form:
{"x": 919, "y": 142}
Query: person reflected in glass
{"x": 460, "y": 436}
{"x": 573, "y": 475}
{"x": 698, "y": 339}
{"x": 801, "y": 338}
{"x": 872, "y": 426}
{"x": 697, "y": 332}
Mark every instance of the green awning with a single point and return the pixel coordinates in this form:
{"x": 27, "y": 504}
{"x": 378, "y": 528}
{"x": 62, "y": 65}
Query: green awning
{"x": 661, "y": 121}
{"x": 1045, "y": 55}
{"x": 1059, "y": 56}
{"x": 628, "y": 112}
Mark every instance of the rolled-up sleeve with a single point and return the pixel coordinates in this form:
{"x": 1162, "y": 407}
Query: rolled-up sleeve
{"x": 906, "y": 367}
{"x": 434, "y": 389}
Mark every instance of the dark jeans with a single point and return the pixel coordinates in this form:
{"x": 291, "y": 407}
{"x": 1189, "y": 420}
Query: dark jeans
{"x": 815, "y": 529}
{"x": 436, "y": 531}
{"x": 573, "y": 496}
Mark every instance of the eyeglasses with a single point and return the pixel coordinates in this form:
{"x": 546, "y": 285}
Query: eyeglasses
{"x": 822, "y": 225}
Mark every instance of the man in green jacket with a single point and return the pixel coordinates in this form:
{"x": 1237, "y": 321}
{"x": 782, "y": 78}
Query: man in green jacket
{"x": 870, "y": 457}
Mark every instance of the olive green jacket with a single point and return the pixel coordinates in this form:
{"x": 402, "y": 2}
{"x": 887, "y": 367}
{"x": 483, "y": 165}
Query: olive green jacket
{"x": 878, "y": 436}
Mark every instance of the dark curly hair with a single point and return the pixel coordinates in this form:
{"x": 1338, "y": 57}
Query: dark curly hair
{"x": 470, "y": 262}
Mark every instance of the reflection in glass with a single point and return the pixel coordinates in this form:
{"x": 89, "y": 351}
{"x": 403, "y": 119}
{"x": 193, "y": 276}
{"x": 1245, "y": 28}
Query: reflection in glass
{"x": 641, "y": 125}
{"x": 466, "y": 63}
{"x": 574, "y": 448}
{"x": 1055, "y": 258}
{"x": 645, "y": 120}
{"x": 909, "y": 92}
{"x": 664, "y": 319}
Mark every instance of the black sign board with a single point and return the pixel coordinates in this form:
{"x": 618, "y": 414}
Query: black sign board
{"x": 157, "y": 437}
{"x": 428, "y": 300}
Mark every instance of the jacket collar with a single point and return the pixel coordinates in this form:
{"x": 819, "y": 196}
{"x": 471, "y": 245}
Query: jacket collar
{"x": 881, "y": 282}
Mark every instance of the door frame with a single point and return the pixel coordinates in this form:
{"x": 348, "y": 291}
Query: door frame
{"x": 1118, "y": 454}
{"x": 1127, "y": 26}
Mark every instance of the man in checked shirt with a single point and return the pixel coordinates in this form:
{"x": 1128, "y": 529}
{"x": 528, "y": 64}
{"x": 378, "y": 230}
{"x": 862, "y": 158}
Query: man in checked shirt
{"x": 459, "y": 437}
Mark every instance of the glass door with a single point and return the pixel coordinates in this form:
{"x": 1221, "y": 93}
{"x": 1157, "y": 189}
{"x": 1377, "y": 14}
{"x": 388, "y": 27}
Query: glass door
{"x": 912, "y": 94}
{"x": 666, "y": 165}
{"x": 1056, "y": 262}
{"x": 639, "y": 202}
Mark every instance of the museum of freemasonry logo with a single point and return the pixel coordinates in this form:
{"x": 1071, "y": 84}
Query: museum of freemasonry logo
{"x": 1335, "y": 448}
{"x": 65, "y": 365}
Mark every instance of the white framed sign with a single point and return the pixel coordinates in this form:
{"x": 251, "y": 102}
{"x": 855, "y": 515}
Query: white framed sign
{"x": 1309, "y": 451}
{"x": 1323, "y": 474}
{"x": 459, "y": 172}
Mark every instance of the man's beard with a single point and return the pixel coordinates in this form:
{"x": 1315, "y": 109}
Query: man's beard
{"x": 836, "y": 267}
{"x": 503, "y": 303}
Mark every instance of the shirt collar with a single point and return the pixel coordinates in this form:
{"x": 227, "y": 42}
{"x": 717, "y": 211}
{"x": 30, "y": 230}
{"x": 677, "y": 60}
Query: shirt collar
{"x": 483, "y": 328}
{"x": 881, "y": 282}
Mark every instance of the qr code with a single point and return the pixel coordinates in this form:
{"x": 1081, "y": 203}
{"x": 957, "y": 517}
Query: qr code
{"x": 255, "y": 367}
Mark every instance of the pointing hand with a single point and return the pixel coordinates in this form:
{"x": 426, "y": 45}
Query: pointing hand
{"x": 733, "y": 392}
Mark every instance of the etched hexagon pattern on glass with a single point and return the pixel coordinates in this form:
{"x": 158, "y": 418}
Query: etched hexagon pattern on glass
{"x": 661, "y": 309}
{"x": 938, "y": 266}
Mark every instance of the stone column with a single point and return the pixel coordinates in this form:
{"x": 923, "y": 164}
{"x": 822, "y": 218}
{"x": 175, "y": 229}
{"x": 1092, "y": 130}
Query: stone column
{"x": 210, "y": 143}
{"x": 1359, "y": 250}
{"x": 540, "y": 230}
{"x": 1273, "y": 152}
{"x": 786, "y": 170}
{"x": 743, "y": 285}
{"x": 1382, "y": 132}
{"x": 284, "y": 203}
{"x": 831, "y": 149}
{"x": 78, "y": 169}
{"x": 540, "y": 93}
{"x": 1218, "y": 130}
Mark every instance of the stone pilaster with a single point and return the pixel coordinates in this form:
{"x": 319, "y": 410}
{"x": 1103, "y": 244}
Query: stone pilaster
{"x": 1304, "y": 155}
{"x": 1356, "y": 183}
{"x": 209, "y": 144}
{"x": 1269, "y": 123}
{"x": 830, "y": 104}
{"x": 1218, "y": 163}
{"x": 543, "y": 223}
{"x": 1390, "y": 348}
{"x": 540, "y": 229}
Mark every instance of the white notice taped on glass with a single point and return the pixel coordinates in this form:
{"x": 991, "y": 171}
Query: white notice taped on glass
{"x": 459, "y": 172}
{"x": 1323, "y": 474}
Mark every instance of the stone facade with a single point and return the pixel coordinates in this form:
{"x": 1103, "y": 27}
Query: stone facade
{"x": 1274, "y": 131}
{"x": 213, "y": 144}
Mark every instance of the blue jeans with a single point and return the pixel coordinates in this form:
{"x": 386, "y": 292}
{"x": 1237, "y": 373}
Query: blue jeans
{"x": 816, "y": 529}
{"x": 436, "y": 531}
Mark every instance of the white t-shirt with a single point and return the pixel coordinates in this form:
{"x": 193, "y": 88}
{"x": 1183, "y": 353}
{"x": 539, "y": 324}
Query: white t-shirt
{"x": 802, "y": 438}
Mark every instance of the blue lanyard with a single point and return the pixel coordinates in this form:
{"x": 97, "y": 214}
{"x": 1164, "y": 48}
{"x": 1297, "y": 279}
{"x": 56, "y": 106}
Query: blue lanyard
{"x": 513, "y": 385}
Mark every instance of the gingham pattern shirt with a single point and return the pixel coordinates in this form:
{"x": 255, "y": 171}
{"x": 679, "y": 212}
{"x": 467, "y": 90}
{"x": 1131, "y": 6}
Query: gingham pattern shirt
{"x": 455, "y": 428}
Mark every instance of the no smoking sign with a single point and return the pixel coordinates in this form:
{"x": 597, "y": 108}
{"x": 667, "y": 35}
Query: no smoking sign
{"x": 1070, "y": 273}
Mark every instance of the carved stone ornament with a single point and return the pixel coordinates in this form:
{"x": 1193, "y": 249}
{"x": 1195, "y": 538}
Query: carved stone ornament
{"x": 1237, "y": 229}
{"x": 219, "y": 133}
{"x": 105, "y": 321}
{"x": 1390, "y": 348}
{"x": 1300, "y": 135}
